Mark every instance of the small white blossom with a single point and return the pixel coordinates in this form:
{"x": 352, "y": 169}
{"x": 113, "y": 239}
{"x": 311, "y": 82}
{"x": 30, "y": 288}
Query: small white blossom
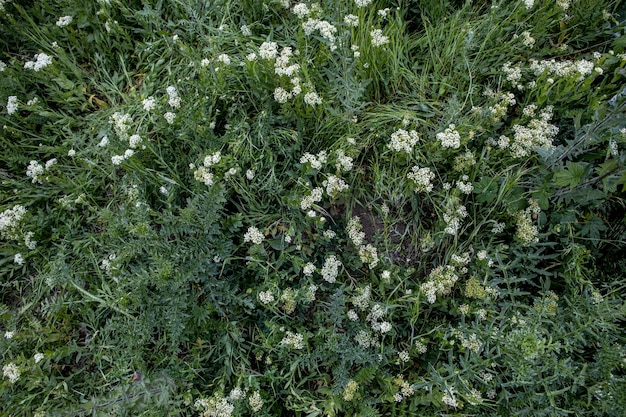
{"x": 38, "y": 357}
{"x": 250, "y": 174}
{"x": 266, "y": 297}
{"x": 64, "y": 21}
{"x": 312, "y": 99}
{"x": 351, "y": 20}
{"x": 12, "y": 372}
{"x": 9, "y": 335}
{"x": 330, "y": 270}
{"x": 12, "y": 105}
{"x": 18, "y": 259}
{"x": 449, "y": 138}
{"x": 40, "y": 61}
{"x": 149, "y": 103}
{"x": 169, "y": 117}
{"x": 254, "y": 235}
{"x": 378, "y": 39}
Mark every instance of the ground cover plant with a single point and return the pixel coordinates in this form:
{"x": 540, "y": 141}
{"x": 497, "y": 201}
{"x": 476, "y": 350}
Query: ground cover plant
{"x": 359, "y": 207}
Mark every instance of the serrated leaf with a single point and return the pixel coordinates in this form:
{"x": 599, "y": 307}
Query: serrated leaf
{"x": 571, "y": 175}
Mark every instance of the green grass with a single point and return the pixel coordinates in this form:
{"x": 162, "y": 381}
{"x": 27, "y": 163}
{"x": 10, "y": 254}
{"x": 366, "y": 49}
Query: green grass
{"x": 485, "y": 273}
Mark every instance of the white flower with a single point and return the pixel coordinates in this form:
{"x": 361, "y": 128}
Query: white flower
{"x": 362, "y": 3}
{"x": 224, "y": 59}
{"x": 266, "y": 297}
{"x": 12, "y": 372}
{"x": 268, "y": 50}
{"x": 378, "y": 39}
{"x": 312, "y": 99}
{"x": 18, "y": 259}
{"x": 134, "y": 140}
{"x": 422, "y": 178}
{"x": 64, "y": 21}
{"x": 281, "y": 95}
{"x": 71, "y": 152}
{"x": 254, "y": 235}
{"x": 449, "y": 138}
{"x": 149, "y": 103}
{"x": 41, "y": 61}
{"x": 352, "y": 315}
{"x": 9, "y": 335}
{"x": 529, "y": 4}
{"x": 3, "y": 66}
{"x": 38, "y": 357}
{"x": 251, "y": 57}
{"x": 169, "y": 117}
{"x": 308, "y": 269}
{"x": 330, "y": 270}
{"x": 34, "y": 170}
{"x": 301, "y": 10}
{"x": 250, "y": 174}
{"x": 12, "y": 105}
{"x": 351, "y": 20}
{"x": 293, "y": 340}
{"x": 255, "y": 401}
{"x": 401, "y": 140}
{"x": 117, "y": 159}
{"x": 245, "y": 30}
{"x": 104, "y": 141}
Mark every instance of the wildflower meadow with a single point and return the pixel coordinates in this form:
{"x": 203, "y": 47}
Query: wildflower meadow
{"x": 366, "y": 208}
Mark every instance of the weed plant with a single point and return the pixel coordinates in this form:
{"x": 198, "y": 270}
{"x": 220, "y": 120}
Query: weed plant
{"x": 359, "y": 208}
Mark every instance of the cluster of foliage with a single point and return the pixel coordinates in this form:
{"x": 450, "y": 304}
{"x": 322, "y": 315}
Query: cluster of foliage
{"x": 365, "y": 207}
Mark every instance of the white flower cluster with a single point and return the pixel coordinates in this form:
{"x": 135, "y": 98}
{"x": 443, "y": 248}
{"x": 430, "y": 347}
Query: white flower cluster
{"x": 224, "y": 59}
{"x": 118, "y": 159}
{"x": 401, "y": 140}
{"x": 355, "y": 233}
{"x": 334, "y": 185}
{"x": 529, "y": 4}
{"x": 169, "y": 117}
{"x": 107, "y": 264}
{"x": 526, "y": 230}
{"x": 538, "y": 134}
{"x": 343, "y": 162}
{"x": 3, "y": 66}
{"x": 363, "y": 299}
{"x": 121, "y": 124}
{"x": 499, "y": 110}
{"x": 315, "y": 196}
{"x": 369, "y": 255}
{"x": 174, "y": 98}
{"x": 362, "y": 3}
{"x": 440, "y": 282}
{"x": 216, "y": 406}
{"x": 449, "y": 138}
{"x": 203, "y": 173}
{"x": 301, "y": 10}
{"x": 351, "y": 20}
{"x": 293, "y": 340}
{"x": 268, "y": 50}
{"x": 326, "y": 30}
{"x": 312, "y": 99}
{"x": 464, "y": 185}
{"x": 34, "y": 171}
{"x": 266, "y": 297}
{"x": 330, "y": 270}
{"x": 255, "y": 401}
{"x": 38, "y": 357}
{"x": 11, "y": 371}
{"x": 316, "y": 161}
{"x": 40, "y": 61}
{"x": 579, "y": 69}
{"x": 64, "y": 21}
{"x": 376, "y": 313}
{"x": 351, "y": 388}
{"x": 453, "y": 219}
{"x": 378, "y": 39}
{"x": 11, "y": 105}
{"x": 253, "y": 235}
{"x": 149, "y": 103}
{"x": 448, "y": 397}
{"x": 422, "y": 178}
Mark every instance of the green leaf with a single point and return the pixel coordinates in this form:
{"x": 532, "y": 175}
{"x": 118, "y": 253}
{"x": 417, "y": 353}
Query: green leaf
{"x": 570, "y": 176}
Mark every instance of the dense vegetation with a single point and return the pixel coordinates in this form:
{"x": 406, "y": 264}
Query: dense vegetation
{"x": 362, "y": 208}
